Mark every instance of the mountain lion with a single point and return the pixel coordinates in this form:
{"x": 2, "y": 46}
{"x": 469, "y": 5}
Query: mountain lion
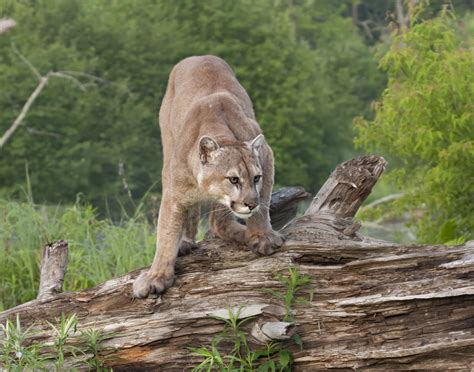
{"x": 213, "y": 150}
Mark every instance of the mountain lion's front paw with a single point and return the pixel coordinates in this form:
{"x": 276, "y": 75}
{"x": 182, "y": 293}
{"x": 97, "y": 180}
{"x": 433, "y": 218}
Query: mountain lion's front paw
{"x": 148, "y": 283}
{"x": 264, "y": 243}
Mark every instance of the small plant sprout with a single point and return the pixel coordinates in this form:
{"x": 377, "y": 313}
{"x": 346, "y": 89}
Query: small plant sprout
{"x": 241, "y": 357}
{"x": 67, "y": 325}
{"x": 93, "y": 340}
{"x": 293, "y": 284}
{"x": 15, "y": 354}
{"x": 212, "y": 358}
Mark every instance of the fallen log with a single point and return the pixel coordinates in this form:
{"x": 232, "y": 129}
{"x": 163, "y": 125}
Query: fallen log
{"x": 375, "y": 305}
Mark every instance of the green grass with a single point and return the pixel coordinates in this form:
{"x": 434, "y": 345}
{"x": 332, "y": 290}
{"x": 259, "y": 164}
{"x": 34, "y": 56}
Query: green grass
{"x": 17, "y": 353}
{"x": 98, "y": 249}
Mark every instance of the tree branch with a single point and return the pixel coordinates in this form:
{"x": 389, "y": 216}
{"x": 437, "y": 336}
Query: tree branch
{"x": 43, "y": 80}
{"x": 32, "y": 68}
{"x": 84, "y": 74}
{"x": 26, "y": 107}
{"x": 44, "y": 133}
{"x": 383, "y": 200}
{"x": 69, "y": 77}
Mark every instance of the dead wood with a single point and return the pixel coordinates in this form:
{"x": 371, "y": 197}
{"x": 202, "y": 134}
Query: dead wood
{"x": 376, "y": 304}
{"x": 284, "y": 205}
{"x": 53, "y": 269}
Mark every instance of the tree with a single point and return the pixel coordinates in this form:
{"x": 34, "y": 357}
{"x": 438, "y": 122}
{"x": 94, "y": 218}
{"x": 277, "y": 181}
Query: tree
{"x": 425, "y": 120}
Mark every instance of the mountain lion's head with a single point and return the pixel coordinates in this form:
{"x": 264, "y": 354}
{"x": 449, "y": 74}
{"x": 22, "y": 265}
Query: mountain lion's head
{"x": 231, "y": 174}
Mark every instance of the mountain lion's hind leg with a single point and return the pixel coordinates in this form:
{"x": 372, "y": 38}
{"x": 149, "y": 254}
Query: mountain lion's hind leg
{"x": 191, "y": 224}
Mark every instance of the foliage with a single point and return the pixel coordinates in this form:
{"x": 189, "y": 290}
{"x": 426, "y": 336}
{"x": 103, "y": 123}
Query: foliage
{"x": 425, "y": 122}
{"x": 99, "y": 249}
{"x": 303, "y": 63}
{"x": 274, "y": 357}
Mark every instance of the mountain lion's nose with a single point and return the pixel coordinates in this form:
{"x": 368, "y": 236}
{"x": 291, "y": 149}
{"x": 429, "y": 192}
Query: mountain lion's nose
{"x": 250, "y": 205}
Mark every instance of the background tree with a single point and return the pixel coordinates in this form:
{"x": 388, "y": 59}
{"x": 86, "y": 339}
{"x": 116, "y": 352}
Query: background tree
{"x": 425, "y": 120}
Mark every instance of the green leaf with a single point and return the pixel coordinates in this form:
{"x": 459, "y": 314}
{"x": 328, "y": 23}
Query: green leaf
{"x": 285, "y": 358}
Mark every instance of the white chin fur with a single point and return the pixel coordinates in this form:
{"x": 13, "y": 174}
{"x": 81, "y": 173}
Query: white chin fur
{"x": 243, "y": 216}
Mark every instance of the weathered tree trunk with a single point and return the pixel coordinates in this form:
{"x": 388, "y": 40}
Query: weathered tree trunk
{"x": 375, "y": 304}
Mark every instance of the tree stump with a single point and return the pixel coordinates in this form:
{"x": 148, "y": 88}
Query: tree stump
{"x": 375, "y": 305}
{"x": 53, "y": 269}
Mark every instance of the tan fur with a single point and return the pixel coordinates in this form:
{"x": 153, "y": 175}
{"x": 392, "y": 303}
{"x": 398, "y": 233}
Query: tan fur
{"x": 210, "y": 136}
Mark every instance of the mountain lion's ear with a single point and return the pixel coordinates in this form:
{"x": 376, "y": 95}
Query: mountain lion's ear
{"x": 257, "y": 142}
{"x": 207, "y": 145}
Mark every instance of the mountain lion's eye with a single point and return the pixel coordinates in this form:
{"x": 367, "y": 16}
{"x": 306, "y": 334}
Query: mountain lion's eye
{"x": 234, "y": 180}
{"x": 256, "y": 179}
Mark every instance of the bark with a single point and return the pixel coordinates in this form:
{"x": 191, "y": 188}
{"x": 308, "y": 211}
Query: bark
{"x": 375, "y": 305}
